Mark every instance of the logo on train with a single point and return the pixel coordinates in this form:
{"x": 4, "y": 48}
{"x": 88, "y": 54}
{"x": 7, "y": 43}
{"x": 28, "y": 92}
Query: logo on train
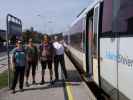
{"x": 120, "y": 58}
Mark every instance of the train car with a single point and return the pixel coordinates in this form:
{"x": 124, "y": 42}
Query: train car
{"x": 99, "y": 39}
{"x": 82, "y": 43}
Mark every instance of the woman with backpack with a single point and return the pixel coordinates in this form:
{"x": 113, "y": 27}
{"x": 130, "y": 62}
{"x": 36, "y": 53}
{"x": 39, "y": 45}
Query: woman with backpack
{"x": 46, "y": 57}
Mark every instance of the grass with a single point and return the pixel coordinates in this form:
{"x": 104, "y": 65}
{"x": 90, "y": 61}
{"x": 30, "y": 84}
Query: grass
{"x": 4, "y": 79}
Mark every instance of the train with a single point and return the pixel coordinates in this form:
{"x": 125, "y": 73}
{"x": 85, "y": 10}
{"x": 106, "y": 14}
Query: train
{"x": 100, "y": 39}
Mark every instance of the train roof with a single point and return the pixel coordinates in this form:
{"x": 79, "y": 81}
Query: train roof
{"x": 83, "y": 14}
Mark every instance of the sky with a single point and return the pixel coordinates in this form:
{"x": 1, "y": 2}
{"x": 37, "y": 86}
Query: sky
{"x": 44, "y": 15}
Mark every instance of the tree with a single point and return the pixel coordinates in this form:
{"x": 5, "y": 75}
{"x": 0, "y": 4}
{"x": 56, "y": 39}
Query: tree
{"x": 13, "y": 39}
{"x": 1, "y": 40}
{"x": 36, "y": 36}
{"x": 26, "y": 35}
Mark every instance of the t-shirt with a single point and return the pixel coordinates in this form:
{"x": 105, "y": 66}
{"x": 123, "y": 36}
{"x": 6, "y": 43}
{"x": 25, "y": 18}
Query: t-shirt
{"x": 31, "y": 53}
{"x": 19, "y": 57}
{"x": 59, "y": 49}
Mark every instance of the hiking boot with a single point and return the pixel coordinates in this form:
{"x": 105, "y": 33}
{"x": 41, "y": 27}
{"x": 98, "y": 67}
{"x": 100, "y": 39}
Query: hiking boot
{"x": 51, "y": 82}
{"x": 42, "y": 82}
{"x": 27, "y": 84}
{"x": 34, "y": 82}
{"x": 56, "y": 80}
{"x": 21, "y": 90}
{"x": 13, "y": 91}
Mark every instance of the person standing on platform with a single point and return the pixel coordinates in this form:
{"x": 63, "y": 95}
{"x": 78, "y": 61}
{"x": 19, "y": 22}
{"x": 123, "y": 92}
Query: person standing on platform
{"x": 59, "y": 58}
{"x": 19, "y": 63}
{"x": 46, "y": 57}
{"x": 32, "y": 61}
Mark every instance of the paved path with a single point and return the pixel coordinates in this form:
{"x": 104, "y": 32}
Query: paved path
{"x": 74, "y": 88}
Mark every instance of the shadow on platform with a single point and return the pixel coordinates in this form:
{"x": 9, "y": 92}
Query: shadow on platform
{"x": 73, "y": 76}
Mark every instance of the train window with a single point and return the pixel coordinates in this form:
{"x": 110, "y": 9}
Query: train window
{"x": 76, "y": 36}
{"x": 130, "y": 25}
{"x": 76, "y": 39}
{"x": 107, "y": 16}
{"x": 122, "y": 16}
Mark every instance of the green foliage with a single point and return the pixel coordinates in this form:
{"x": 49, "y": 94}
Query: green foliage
{"x": 13, "y": 39}
{"x": 1, "y": 39}
{"x": 4, "y": 79}
{"x": 26, "y": 35}
{"x": 36, "y": 36}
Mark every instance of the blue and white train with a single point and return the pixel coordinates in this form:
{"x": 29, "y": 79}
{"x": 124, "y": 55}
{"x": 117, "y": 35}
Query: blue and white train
{"x": 101, "y": 39}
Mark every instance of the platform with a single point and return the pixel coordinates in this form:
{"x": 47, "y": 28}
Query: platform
{"x": 72, "y": 89}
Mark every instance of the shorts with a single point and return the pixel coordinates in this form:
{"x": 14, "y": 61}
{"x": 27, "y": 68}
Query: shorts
{"x": 45, "y": 63}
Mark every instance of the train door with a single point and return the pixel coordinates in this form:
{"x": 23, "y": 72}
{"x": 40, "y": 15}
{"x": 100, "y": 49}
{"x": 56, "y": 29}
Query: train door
{"x": 84, "y": 42}
{"x": 92, "y": 34}
{"x": 89, "y": 34}
{"x": 95, "y": 42}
